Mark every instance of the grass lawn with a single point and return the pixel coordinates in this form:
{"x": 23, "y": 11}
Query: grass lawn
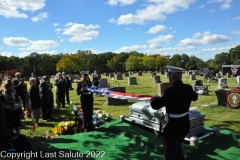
{"x": 222, "y": 117}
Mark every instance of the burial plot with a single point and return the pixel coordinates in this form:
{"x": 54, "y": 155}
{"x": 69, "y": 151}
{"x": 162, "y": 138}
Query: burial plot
{"x": 115, "y": 101}
{"x": 156, "y": 79}
{"x": 218, "y": 75}
{"x": 139, "y": 73}
{"x": 126, "y": 74}
{"x": 132, "y": 81}
{"x": 192, "y": 77}
{"x": 103, "y": 83}
{"x": 238, "y": 80}
{"x": 197, "y": 83}
{"x": 111, "y": 75}
{"x": 162, "y": 87}
{"x": 153, "y": 74}
{"x": 222, "y": 83}
{"x": 106, "y": 74}
{"x": 119, "y": 76}
{"x": 203, "y": 90}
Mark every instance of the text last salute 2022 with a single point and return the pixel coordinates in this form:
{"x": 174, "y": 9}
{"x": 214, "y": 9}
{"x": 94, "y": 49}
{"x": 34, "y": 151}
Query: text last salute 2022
{"x": 55, "y": 154}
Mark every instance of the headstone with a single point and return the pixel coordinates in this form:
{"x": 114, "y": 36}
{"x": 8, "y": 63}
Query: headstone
{"x": 222, "y": 83}
{"x": 139, "y": 73}
{"x": 156, "y": 79}
{"x": 202, "y": 90}
{"x": 189, "y": 73}
{"x": 227, "y": 75}
{"x": 238, "y": 80}
{"x": 162, "y": 72}
{"x": 115, "y": 101}
{"x": 192, "y": 77}
{"x": 126, "y": 74}
{"x": 153, "y": 74}
{"x": 106, "y": 74}
{"x": 119, "y": 76}
{"x": 162, "y": 87}
{"x": 218, "y": 75}
{"x": 197, "y": 83}
{"x": 103, "y": 83}
{"x": 111, "y": 75}
{"x": 132, "y": 81}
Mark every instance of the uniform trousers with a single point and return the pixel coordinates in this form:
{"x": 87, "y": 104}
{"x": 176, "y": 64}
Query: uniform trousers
{"x": 87, "y": 111}
{"x": 173, "y": 148}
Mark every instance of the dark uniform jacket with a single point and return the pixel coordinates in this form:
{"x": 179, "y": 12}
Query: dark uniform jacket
{"x": 19, "y": 88}
{"x": 46, "y": 91}
{"x": 60, "y": 86}
{"x": 177, "y": 100}
{"x": 85, "y": 94}
{"x": 34, "y": 97}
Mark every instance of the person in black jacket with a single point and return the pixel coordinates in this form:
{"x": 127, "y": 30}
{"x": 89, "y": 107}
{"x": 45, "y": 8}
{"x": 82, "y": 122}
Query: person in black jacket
{"x": 177, "y": 100}
{"x": 35, "y": 100}
{"x": 20, "y": 87}
{"x": 65, "y": 77}
{"x": 47, "y": 100}
{"x": 86, "y": 100}
{"x": 60, "y": 84}
{"x": 33, "y": 75}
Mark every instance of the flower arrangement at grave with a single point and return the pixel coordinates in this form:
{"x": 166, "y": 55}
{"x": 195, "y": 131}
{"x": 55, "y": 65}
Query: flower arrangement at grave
{"x": 100, "y": 117}
{"x": 65, "y": 127}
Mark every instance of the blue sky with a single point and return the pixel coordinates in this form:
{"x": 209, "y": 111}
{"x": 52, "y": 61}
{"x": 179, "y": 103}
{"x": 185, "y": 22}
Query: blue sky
{"x": 201, "y": 28}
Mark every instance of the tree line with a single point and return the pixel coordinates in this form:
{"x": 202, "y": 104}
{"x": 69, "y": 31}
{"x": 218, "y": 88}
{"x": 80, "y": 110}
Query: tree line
{"x": 46, "y": 64}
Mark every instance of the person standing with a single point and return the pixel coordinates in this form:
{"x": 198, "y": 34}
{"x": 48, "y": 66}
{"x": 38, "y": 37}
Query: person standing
{"x": 46, "y": 98}
{"x": 12, "y": 103}
{"x": 20, "y": 86}
{"x": 60, "y": 84}
{"x": 86, "y": 100}
{"x": 66, "y": 79}
{"x": 35, "y": 100}
{"x": 95, "y": 78}
{"x": 177, "y": 100}
{"x": 33, "y": 75}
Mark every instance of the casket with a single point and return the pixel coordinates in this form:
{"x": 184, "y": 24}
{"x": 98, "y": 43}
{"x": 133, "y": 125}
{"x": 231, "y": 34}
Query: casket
{"x": 142, "y": 113}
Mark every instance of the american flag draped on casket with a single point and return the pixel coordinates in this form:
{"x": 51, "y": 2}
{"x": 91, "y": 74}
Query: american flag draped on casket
{"x": 118, "y": 95}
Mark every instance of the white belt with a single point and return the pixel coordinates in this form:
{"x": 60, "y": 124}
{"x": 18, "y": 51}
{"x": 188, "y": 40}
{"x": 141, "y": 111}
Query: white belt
{"x": 178, "y": 115}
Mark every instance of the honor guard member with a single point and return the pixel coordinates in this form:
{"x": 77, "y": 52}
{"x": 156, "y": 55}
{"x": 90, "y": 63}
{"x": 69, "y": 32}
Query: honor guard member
{"x": 177, "y": 100}
{"x": 86, "y": 100}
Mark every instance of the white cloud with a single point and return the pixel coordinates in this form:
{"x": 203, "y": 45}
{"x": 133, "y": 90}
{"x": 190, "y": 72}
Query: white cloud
{"x": 121, "y": 2}
{"x": 204, "y": 39}
{"x": 58, "y": 30}
{"x": 155, "y": 10}
{"x": 225, "y": 4}
{"x": 236, "y": 18}
{"x": 60, "y": 38}
{"x": 15, "y": 8}
{"x": 157, "y": 29}
{"x": 80, "y": 32}
{"x": 16, "y": 41}
{"x": 55, "y": 24}
{"x": 167, "y": 38}
{"x": 236, "y": 32}
{"x": 8, "y": 54}
{"x": 41, "y": 45}
{"x": 49, "y": 52}
{"x": 40, "y": 17}
{"x": 69, "y": 24}
{"x": 23, "y": 54}
{"x": 200, "y": 7}
{"x": 130, "y": 48}
{"x": 212, "y": 10}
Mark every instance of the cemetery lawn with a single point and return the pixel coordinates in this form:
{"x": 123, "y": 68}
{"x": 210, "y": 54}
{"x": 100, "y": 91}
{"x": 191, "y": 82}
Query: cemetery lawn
{"x": 220, "y": 116}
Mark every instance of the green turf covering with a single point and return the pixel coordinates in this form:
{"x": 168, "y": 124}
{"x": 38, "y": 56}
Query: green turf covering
{"x": 125, "y": 141}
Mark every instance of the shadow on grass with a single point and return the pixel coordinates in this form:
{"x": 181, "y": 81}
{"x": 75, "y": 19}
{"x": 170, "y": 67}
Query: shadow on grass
{"x": 132, "y": 141}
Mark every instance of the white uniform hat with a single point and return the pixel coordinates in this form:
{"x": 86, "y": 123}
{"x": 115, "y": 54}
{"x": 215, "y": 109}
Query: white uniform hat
{"x": 84, "y": 72}
{"x": 172, "y": 69}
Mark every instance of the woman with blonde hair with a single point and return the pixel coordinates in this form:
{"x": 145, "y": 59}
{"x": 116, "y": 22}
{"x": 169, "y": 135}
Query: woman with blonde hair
{"x": 12, "y": 103}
